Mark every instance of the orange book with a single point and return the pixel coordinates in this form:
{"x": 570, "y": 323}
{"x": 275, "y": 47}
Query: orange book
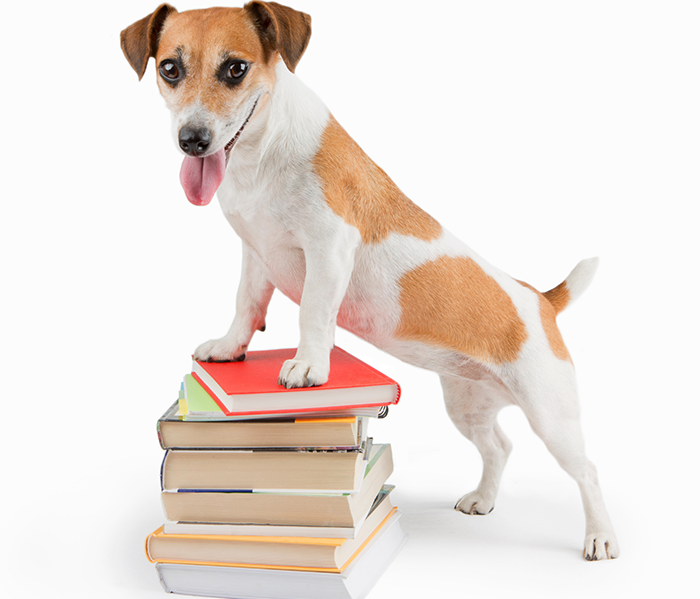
{"x": 278, "y": 553}
{"x": 354, "y": 581}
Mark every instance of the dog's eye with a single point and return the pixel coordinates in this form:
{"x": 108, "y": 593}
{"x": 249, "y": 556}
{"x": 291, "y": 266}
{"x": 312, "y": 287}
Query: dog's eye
{"x": 169, "y": 71}
{"x": 237, "y": 68}
{"x": 231, "y": 72}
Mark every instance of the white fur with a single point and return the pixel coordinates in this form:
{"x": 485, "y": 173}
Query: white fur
{"x": 294, "y": 242}
{"x": 580, "y": 278}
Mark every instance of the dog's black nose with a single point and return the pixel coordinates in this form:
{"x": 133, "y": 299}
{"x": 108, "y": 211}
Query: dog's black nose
{"x": 194, "y": 142}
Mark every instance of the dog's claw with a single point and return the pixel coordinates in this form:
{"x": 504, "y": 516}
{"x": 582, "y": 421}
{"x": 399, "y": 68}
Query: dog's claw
{"x": 301, "y": 373}
{"x": 474, "y": 504}
{"x": 220, "y": 350}
{"x": 600, "y": 546}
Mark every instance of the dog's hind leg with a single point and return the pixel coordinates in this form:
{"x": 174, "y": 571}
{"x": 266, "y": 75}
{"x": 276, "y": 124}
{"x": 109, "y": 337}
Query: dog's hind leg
{"x": 473, "y": 407}
{"x": 553, "y": 415}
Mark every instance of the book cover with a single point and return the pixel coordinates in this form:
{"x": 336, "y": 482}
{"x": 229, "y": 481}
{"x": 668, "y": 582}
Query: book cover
{"x": 250, "y": 387}
{"x": 316, "y": 553}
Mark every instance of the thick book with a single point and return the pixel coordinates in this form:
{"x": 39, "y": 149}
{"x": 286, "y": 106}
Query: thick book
{"x": 283, "y": 509}
{"x": 272, "y": 530}
{"x": 250, "y": 388}
{"x": 330, "y": 432}
{"x": 327, "y": 554}
{"x": 354, "y": 582}
{"x": 280, "y": 470}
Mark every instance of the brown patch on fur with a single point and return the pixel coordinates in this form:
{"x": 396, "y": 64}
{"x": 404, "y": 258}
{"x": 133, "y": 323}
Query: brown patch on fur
{"x": 548, "y": 316}
{"x": 363, "y": 195}
{"x": 559, "y": 297}
{"x": 204, "y": 38}
{"x": 139, "y": 41}
{"x": 453, "y": 303}
{"x": 282, "y": 29}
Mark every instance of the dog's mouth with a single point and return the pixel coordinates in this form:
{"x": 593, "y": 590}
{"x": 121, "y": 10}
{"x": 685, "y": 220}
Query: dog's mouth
{"x": 201, "y": 176}
{"x": 229, "y": 146}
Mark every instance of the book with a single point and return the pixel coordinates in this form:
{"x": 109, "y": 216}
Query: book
{"x": 271, "y": 530}
{"x": 319, "y": 553}
{"x": 329, "y": 432}
{"x": 281, "y": 470}
{"x": 250, "y": 388}
{"x": 283, "y": 509}
{"x": 195, "y": 404}
{"x": 353, "y": 582}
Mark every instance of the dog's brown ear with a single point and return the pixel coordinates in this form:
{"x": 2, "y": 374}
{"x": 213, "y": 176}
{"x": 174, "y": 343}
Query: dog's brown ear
{"x": 140, "y": 40}
{"x": 282, "y": 29}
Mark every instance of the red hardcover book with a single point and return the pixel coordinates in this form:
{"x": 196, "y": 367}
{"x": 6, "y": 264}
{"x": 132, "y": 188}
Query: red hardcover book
{"x": 250, "y": 387}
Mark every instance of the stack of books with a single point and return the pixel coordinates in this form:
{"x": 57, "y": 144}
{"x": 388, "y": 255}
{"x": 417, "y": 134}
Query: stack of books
{"x": 276, "y": 493}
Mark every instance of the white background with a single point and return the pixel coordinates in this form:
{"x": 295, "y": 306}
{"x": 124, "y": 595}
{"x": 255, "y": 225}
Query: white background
{"x": 539, "y": 132}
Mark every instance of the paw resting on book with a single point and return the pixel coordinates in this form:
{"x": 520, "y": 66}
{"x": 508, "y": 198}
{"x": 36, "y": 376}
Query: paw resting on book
{"x": 220, "y": 350}
{"x": 303, "y": 373}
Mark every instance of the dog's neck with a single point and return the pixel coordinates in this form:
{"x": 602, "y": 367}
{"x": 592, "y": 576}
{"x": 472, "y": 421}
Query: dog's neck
{"x": 282, "y": 138}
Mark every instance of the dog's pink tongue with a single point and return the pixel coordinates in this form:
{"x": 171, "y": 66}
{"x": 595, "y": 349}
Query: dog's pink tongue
{"x": 201, "y": 177}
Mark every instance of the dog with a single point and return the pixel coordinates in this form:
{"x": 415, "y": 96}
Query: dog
{"x": 321, "y": 222}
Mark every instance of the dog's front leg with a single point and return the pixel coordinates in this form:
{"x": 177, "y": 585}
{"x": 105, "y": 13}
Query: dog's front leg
{"x": 252, "y": 299}
{"x": 329, "y": 265}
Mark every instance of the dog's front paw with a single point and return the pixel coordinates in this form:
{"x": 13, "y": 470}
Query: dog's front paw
{"x": 220, "y": 350}
{"x": 474, "y": 504}
{"x": 600, "y": 546}
{"x": 303, "y": 373}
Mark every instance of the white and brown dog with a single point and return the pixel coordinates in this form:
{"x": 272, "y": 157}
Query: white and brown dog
{"x": 327, "y": 227}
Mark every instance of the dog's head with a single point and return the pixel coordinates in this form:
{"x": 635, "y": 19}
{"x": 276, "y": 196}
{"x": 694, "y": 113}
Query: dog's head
{"x": 216, "y": 69}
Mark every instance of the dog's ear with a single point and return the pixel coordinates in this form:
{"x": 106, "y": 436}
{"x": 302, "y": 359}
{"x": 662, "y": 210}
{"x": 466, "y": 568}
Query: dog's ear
{"x": 140, "y": 40}
{"x": 282, "y": 29}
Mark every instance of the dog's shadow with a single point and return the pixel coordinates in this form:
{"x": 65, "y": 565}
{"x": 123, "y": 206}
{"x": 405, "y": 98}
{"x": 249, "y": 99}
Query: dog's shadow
{"x": 528, "y": 523}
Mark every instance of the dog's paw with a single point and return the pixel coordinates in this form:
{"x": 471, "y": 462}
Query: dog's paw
{"x": 220, "y": 350}
{"x": 600, "y": 546}
{"x": 474, "y": 504}
{"x": 303, "y": 373}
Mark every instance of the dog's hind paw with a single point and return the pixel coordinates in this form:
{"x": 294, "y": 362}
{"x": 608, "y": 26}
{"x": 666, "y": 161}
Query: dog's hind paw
{"x": 474, "y": 504}
{"x": 600, "y": 546}
{"x": 220, "y": 350}
{"x": 302, "y": 373}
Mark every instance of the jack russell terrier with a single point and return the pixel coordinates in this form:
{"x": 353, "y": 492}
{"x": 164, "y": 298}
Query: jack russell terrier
{"x": 327, "y": 227}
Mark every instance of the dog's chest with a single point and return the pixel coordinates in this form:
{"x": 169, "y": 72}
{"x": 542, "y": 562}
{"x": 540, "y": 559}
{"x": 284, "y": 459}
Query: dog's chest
{"x": 263, "y": 230}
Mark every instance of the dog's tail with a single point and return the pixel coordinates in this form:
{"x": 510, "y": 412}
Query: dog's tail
{"x": 573, "y": 286}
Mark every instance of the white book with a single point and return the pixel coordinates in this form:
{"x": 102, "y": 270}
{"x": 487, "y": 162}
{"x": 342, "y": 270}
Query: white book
{"x": 354, "y": 582}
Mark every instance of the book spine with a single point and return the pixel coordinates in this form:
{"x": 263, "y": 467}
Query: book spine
{"x": 160, "y": 436}
{"x": 162, "y": 469}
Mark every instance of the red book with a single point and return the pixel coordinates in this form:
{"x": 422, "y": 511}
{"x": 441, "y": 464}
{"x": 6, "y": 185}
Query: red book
{"x": 250, "y": 387}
